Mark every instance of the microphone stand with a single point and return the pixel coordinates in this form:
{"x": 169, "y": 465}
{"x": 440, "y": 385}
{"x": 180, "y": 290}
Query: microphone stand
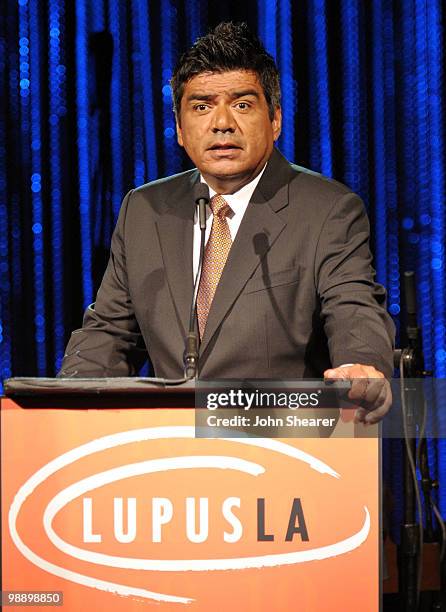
{"x": 410, "y": 553}
{"x": 190, "y": 357}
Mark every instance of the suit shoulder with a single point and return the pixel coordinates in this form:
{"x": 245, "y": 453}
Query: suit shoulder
{"x": 167, "y": 183}
{"x": 160, "y": 195}
{"x": 318, "y": 184}
{"x": 321, "y": 195}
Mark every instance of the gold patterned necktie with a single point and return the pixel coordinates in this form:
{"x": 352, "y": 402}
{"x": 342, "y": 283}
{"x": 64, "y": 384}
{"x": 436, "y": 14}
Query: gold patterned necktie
{"x": 215, "y": 256}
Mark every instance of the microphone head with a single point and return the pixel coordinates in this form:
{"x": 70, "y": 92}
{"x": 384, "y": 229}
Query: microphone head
{"x": 201, "y": 192}
{"x": 201, "y": 195}
{"x": 410, "y": 292}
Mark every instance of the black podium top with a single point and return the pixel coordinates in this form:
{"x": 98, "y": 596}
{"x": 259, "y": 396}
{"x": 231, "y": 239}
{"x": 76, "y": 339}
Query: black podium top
{"x": 119, "y": 392}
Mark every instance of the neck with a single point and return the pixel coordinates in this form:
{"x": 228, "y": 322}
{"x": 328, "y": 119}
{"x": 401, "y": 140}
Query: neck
{"x": 228, "y": 185}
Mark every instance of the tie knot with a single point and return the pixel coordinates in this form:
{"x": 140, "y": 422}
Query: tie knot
{"x": 220, "y": 207}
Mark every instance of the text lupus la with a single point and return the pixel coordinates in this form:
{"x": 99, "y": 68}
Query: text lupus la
{"x": 162, "y": 513}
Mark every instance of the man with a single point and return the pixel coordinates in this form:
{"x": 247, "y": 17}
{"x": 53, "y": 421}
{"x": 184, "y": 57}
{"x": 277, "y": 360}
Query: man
{"x": 287, "y": 289}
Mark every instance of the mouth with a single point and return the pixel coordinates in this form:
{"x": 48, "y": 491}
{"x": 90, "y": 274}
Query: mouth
{"x": 224, "y": 146}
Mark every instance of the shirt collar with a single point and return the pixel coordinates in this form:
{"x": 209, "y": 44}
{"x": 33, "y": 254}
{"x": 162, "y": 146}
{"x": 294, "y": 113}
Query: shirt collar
{"x": 239, "y": 200}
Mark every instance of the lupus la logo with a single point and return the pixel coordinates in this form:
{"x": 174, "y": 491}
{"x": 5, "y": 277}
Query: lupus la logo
{"x": 163, "y": 511}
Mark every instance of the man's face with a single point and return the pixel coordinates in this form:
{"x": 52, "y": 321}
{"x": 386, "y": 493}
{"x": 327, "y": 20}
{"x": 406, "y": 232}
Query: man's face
{"x": 225, "y": 128}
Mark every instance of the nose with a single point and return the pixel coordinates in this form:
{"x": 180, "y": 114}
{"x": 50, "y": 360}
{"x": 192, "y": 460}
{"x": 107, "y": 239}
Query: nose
{"x": 223, "y": 119}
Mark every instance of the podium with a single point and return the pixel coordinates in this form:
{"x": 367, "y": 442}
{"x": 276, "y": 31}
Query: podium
{"x": 110, "y": 502}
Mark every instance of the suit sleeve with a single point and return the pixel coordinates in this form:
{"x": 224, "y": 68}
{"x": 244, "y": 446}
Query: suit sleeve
{"x": 110, "y": 342}
{"x": 353, "y": 306}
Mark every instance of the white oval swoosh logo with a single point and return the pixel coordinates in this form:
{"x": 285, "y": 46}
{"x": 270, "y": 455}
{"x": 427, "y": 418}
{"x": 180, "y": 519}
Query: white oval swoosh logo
{"x": 158, "y": 465}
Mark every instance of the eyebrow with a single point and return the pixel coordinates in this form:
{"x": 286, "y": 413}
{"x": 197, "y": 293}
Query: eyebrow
{"x": 245, "y": 92}
{"x": 234, "y": 95}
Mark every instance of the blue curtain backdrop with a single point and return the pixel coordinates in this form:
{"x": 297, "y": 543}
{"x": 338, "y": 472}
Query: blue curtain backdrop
{"x": 86, "y": 115}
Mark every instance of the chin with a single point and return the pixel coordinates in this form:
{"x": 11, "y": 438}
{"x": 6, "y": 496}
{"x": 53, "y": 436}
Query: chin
{"x": 225, "y": 170}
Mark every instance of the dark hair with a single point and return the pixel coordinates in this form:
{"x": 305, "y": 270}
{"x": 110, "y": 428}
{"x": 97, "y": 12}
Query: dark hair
{"x": 230, "y": 46}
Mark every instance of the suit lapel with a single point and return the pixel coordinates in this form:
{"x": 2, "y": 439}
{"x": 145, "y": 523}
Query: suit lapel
{"x": 175, "y": 233}
{"x": 259, "y": 229}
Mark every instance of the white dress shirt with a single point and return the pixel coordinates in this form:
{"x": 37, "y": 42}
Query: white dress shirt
{"x": 238, "y": 202}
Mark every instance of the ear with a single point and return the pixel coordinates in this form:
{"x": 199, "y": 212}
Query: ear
{"x": 179, "y": 132}
{"x": 277, "y": 122}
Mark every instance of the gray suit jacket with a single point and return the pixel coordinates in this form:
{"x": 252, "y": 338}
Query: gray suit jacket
{"x": 297, "y": 294}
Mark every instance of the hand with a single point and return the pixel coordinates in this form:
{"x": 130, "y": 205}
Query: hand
{"x": 370, "y": 389}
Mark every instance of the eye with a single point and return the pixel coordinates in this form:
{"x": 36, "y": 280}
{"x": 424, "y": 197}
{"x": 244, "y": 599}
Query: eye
{"x": 201, "y": 107}
{"x": 242, "y": 106}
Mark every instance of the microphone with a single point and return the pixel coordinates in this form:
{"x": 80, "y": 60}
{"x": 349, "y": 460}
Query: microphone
{"x": 201, "y": 192}
{"x": 190, "y": 357}
{"x": 412, "y": 329}
{"x": 411, "y": 300}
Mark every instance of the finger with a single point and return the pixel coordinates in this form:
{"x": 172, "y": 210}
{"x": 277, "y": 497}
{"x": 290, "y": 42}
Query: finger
{"x": 338, "y": 373}
{"x": 382, "y": 406}
{"x": 358, "y": 389}
{"x": 360, "y": 415}
{"x": 384, "y": 403}
{"x": 374, "y": 395}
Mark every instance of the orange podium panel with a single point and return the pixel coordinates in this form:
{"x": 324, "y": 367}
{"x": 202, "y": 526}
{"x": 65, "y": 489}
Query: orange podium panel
{"x": 124, "y": 509}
